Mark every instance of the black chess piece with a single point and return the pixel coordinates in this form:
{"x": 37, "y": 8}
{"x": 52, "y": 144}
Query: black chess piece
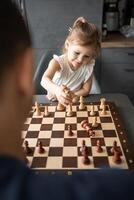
{"x": 70, "y": 132}
{"x": 41, "y": 149}
{"x": 28, "y": 150}
{"x": 114, "y": 147}
{"x": 85, "y": 154}
{"x": 116, "y": 157}
{"x": 83, "y": 146}
{"x": 99, "y": 148}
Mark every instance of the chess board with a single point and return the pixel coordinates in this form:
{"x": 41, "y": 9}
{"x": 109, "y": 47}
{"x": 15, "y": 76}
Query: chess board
{"x": 62, "y": 152}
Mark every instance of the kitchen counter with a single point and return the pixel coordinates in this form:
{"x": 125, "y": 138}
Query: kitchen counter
{"x": 115, "y": 40}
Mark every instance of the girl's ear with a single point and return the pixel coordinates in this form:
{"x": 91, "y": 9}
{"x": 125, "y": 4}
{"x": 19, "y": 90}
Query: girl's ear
{"x": 66, "y": 44}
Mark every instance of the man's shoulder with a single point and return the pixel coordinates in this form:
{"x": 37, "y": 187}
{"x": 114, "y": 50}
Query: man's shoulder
{"x": 19, "y": 182}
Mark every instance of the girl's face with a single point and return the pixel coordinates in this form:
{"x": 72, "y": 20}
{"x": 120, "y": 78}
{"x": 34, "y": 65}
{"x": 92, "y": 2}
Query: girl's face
{"x": 78, "y": 55}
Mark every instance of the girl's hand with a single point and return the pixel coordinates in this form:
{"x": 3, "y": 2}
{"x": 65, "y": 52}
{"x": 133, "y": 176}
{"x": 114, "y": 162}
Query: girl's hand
{"x": 76, "y": 99}
{"x": 63, "y": 96}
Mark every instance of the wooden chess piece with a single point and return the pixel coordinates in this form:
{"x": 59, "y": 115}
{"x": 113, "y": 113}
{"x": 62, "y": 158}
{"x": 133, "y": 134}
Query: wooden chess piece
{"x": 92, "y": 112}
{"x": 46, "y": 113}
{"x": 85, "y": 153}
{"x": 102, "y": 100}
{"x": 103, "y": 112}
{"x": 28, "y": 150}
{"x": 99, "y": 148}
{"x": 37, "y": 109}
{"x": 69, "y": 110}
{"x": 83, "y": 146}
{"x": 84, "y": 123}
{"x": 81, "y": 106}
{"x": 116, "y": 157}
{"x": 69, "y": 107}
{"x": 60, "y": 107}
{"x": 70, "y": 132}
{"x": 41, "y": 149}
{"x": 95, "y": 123}
{"x": 91, "y": 132}
{"x": 114, "y": 147}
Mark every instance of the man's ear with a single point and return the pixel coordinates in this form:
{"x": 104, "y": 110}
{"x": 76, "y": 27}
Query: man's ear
{"x": 25, "y": 72}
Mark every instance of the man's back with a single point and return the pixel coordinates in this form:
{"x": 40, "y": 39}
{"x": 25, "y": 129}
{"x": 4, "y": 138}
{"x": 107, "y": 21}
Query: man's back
{"x": 19, "y": 182}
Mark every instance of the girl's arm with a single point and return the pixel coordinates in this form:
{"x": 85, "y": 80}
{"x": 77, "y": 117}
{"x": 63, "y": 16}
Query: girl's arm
{"x": 85, "y": 88}
{"x": 50, "y": 86}
{"x": 48, "y": 75}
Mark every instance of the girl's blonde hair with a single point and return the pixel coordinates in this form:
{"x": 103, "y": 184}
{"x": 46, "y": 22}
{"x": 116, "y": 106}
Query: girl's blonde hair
{"x": 85, "y": 34}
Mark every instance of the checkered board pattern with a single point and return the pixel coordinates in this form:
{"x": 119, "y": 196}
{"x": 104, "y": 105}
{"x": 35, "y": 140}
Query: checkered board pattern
{"x": 62, "y": 152}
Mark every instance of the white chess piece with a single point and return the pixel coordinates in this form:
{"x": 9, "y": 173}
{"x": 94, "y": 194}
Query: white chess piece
{"x": 46, "y": 113}
{"x": 94, "y": 123}
{"x": 37, "y": 109}
{"x": 92, "y": 112}
{"x": 69, "y": 110}
{"x": 102, "y": 100}
{"x": 103, "y": 112}
{"x": 81, "y": 106}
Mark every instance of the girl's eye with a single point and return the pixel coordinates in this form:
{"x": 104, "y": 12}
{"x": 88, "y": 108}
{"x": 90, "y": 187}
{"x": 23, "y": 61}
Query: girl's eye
{"x": 87, "y": 56}
{"x": 76, "y": 53}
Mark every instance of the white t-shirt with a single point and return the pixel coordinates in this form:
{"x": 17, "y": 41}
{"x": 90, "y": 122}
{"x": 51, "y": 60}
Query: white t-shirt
{"x": 72, "y": 79}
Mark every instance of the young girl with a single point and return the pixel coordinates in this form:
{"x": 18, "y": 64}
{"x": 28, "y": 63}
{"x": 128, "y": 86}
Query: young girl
{"x": 75, "y": 67}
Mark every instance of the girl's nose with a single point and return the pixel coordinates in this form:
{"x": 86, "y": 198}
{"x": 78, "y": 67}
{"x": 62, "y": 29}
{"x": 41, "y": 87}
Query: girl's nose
{"x": 80, "y": 59}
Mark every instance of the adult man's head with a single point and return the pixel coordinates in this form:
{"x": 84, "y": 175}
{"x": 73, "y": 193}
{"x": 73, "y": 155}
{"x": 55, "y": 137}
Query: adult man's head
{"x": 16, "y": 86}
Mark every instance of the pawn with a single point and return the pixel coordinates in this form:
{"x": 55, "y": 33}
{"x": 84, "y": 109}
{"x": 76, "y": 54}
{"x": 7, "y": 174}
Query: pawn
{"x": 102, "y": 100}
{"x": 95, "y": 123}
{"x": 81, "y": 106}
{"x": 37, "y": 109}
{"x": 70, "y": 132}
{"x": 114, "y": 147}
{"x": 92, "y": 112}
{"x": 83, "y": 146}
{"x": 69, "y": 112}
{"x": 103, "y": 112}
{"x": 28, "y": 150}
{"x": 41, "y": 149}
{"x": 117, "y": 157}
{"x": 99, "y": 148}
{"x": 46, "y": 113}
{"x": 85, "y": 154}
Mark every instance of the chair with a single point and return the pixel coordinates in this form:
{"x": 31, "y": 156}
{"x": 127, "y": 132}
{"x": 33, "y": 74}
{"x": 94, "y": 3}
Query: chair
{"x": 42, "y": 66}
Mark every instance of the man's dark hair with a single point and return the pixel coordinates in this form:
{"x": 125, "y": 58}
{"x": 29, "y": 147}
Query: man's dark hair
{"x": 14, "y": 35}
